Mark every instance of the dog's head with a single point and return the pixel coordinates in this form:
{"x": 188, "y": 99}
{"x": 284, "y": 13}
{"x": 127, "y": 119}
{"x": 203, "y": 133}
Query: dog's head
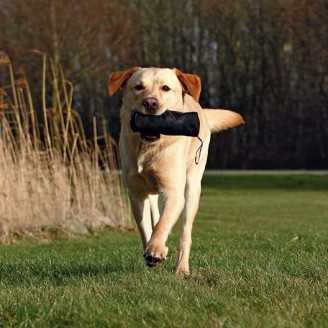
{"x": 154, "y": 90}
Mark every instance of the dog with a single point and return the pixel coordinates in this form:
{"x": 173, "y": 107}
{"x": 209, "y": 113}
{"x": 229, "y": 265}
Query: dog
{"x": 169, "y": 167}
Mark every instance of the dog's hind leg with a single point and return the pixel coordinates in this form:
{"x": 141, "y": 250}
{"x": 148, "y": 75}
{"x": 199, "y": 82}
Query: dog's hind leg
{"x": 153, "y": 200}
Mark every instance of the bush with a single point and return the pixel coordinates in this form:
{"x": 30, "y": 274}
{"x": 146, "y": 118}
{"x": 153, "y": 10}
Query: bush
{"x": 53, "y": 179}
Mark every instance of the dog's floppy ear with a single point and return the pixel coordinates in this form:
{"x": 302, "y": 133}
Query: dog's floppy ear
{"x": 117, "y": 79}
{"x": 190, "y": 82}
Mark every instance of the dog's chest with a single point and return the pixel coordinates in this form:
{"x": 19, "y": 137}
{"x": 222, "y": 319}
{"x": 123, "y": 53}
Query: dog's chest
{"x": 147, "y": 166}
{"x": 148, "y": 159}
{"x": 147, "y": 176}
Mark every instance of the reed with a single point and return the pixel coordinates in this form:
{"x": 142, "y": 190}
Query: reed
{"x": 50, "y": 174}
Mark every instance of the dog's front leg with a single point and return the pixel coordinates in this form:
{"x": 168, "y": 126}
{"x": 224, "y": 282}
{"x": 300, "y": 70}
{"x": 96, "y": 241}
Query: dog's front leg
{"x": 141, "y": 211}
{"x": 156, "y": 250}
{"x": 193, "y": 190}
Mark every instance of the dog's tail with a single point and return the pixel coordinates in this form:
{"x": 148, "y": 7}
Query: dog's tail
{"x": 221, "y": 119}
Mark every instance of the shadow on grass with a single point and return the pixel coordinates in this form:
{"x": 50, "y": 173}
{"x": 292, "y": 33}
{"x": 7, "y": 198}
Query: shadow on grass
{"x": 58, "y": 274}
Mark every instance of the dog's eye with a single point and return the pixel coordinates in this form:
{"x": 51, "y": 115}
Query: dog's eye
{"x": 139, "y": 87}
{"x": 166, "y": 88}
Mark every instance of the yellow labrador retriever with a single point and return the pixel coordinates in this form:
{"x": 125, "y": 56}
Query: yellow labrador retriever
{"x": 164, "y": 166}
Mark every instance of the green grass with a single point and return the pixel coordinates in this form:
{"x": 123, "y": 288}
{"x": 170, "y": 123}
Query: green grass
{"x": 259, "y": 259}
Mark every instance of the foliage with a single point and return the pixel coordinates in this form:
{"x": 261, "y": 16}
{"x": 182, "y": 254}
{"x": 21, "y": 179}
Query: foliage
{"x": 265, "y": 59}
{"x": 52, "y": 179}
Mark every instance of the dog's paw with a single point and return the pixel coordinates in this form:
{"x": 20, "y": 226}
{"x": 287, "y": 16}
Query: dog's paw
{"x": 182, "y": 272}
{"x": 155, "y": 254}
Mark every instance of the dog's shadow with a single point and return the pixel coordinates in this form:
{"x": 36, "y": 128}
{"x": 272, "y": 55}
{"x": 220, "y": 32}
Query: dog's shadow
{"x": 60, "y": 274}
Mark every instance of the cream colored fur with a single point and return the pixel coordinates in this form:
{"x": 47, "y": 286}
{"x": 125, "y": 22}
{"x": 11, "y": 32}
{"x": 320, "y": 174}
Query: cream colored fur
{"x": 165, "y": 168}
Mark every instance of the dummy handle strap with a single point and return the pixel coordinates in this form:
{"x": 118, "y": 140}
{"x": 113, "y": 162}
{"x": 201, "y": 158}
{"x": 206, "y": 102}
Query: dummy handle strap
{"x": 199, "y": 151}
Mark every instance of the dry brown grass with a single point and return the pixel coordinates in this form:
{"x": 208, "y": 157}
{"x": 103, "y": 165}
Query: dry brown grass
{"x": 50, "y": 177}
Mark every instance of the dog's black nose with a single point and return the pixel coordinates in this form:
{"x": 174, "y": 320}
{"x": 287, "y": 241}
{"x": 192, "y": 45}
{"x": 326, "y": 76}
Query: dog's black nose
{"x": 151, "y": 104}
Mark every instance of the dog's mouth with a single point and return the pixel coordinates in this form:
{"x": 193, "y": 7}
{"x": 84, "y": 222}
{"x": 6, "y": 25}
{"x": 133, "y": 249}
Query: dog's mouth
{"x": 150, "y": 138}
{"x": 146, "y": 137}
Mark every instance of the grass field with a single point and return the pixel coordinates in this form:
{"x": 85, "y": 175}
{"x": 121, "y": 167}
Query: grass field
{"x": 259, "y": 259}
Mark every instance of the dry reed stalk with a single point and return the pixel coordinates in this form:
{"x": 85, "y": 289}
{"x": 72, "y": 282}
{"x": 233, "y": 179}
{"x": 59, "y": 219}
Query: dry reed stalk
{"x": 56, "y": 183}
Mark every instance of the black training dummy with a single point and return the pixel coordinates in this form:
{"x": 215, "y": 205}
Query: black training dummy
{"x": 169, "y": 123}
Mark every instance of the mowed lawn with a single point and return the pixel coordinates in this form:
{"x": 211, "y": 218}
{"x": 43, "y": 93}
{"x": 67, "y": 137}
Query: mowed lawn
{"x": 259, "y": 259}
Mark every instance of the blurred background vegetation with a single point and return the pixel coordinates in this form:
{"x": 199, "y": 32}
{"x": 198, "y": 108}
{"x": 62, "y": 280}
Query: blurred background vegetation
{"x": 267, "y": 59}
